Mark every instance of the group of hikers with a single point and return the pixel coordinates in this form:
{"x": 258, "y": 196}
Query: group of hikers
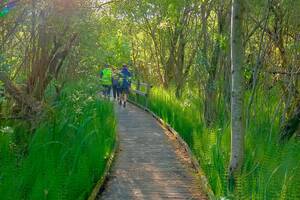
{"x": 119, "y": 81}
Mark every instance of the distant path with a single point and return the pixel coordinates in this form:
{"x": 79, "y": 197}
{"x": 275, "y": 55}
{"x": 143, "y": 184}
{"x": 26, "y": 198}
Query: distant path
{"x": 148, "y": 165}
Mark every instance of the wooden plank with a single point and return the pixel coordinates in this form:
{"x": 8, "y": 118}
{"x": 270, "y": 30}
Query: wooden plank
{"x": 195, "y": 163}
{"x": 147, "y": 166}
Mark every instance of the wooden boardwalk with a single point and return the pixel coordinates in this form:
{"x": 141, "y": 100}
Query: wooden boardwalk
{"x": 149, "y": 164}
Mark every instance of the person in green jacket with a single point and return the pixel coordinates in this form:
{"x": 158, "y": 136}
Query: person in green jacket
{"x": 106, "y": 80}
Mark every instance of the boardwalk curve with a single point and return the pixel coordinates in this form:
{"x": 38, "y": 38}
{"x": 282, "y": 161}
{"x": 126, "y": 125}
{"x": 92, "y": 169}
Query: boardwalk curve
{"x": 147, "y": 165}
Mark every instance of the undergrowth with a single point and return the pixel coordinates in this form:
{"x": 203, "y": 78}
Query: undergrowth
{"x": 65, "y": 156}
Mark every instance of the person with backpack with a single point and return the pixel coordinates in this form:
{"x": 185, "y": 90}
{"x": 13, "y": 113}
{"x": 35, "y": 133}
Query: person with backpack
{"x": 125, "y": 84}
{"x": 106, "y": 80}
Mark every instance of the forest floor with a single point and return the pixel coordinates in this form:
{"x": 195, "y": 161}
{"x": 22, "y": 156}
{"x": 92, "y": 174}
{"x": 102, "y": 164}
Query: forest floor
{"x": 150, "y": 164}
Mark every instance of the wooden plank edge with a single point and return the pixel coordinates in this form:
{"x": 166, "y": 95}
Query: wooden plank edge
{"x": 193, "y": 158}
{"x": 101, "y": 183}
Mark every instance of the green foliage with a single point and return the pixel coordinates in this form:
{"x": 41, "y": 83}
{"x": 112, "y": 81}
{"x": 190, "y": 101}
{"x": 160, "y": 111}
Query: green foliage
{"x": 270, "y": 171}
{"x": 102, "y": 41}
{"x": 67, "y": 153}
{"x": 4, "y": 66}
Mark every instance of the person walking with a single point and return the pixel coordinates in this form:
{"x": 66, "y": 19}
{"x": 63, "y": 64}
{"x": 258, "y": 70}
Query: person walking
{"x": 125, "y": 84}
{"x": 106, "y": 80}
{"x": 115, "y": 85}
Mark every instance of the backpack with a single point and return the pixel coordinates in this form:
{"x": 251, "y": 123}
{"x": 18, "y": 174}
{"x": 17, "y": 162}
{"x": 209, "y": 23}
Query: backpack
{"x": 125, "y": 78}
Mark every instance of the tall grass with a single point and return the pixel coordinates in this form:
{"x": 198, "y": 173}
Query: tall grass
{"x": 65, "y": 155}
{"x": 270, "y": 171}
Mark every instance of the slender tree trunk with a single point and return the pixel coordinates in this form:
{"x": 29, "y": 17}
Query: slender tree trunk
{"x": 211, "y": 89}
{"x": 208, "y": 101}
{"x": 179, "y": 75}
{"x": 157, "y": 58}
{"x": 204, "y": 33}
{"x": 259, "y": 63}
{"x": 237, "y": 91}
{"x": 170, "y": 64}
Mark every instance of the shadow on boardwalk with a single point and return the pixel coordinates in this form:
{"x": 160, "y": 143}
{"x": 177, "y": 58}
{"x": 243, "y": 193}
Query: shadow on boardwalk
{"x": 148, "y": 165}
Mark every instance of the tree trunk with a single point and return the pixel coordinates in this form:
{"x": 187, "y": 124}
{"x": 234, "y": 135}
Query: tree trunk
{"x": 237, "y": 91}
{"x": 170, "y": 64}
{"x": 180, "y": 66}
{"x": 207, "y": 107}
{"x": 210, "y": 104}
{"x": 210, "y": 110}
{"x": 26, "y": 103}
{"x": 48, "y": 67}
